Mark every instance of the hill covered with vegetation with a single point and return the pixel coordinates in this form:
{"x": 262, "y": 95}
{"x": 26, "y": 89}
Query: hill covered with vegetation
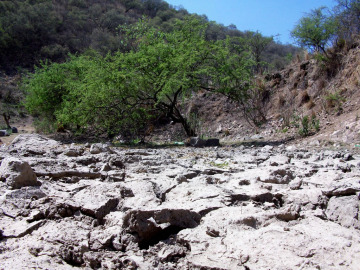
{"x": 31, "y": 31}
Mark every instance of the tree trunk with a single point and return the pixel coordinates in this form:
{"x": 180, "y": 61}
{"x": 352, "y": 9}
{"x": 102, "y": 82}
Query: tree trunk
{"x": 190, "y": 132}
{"x": 7, "y": 120}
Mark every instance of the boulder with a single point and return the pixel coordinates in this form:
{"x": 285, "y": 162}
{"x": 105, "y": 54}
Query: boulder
{"x": 98, "y": 200}
{"x": 32, "y": 144}
{"x": 212, "y": 142}
{"x": 3, "y": 133}
{"x": 17, "y": 173}
{"x": 98, "y": 148}
{"x": 344, "y": 211}
{"x": 198, "y": 142}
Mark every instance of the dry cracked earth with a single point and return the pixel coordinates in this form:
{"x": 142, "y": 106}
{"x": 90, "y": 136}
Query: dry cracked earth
{"x": 100, "y": 207}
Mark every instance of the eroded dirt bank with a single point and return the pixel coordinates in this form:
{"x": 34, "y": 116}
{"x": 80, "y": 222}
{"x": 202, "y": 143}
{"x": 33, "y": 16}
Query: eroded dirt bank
{"x": 94, "y": 206}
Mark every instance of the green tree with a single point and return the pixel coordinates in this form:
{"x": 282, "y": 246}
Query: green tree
{"x": 257, "y": 44}
{"x": 347, "y": 13}
{"x": 170, "y": 66}
{"x": 315, "y": 30}
{"x": 130, "y": 4}
{"x": 126, "y": 90}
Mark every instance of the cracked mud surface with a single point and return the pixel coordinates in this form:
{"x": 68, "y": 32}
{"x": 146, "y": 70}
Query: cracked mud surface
{"x": 98, "y": 207}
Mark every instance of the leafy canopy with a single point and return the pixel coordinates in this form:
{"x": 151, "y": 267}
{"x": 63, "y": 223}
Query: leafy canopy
{"x": 315, "y": 30}
{"x": 122, "y": 93}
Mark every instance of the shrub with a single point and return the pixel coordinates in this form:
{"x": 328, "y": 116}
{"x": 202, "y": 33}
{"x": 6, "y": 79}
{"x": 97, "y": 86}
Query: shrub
{"x": 304, "y": 129}
{"x": 334, "y": 99}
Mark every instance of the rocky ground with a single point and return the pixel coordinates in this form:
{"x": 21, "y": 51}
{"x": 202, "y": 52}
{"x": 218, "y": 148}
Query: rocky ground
{"x": 244, "y": 207}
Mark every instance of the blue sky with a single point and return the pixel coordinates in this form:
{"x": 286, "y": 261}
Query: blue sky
{"x": 269, "y": 17}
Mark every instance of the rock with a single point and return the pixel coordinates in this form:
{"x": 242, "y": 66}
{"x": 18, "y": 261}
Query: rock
{"x": 4, "y": 133}
{"x": 98, "y": 200}
{"x": 98, "y": 148}
{"x": 304, "y": 65}
{"x": 344, "y": 187}
{"x": 17, "y": 173}
{"x": 280, "y": 176}
{"x": 267, "y": 148}
{"x": 345, "y": 211}
{"x": 212, "y": 142}
{"x": 295, "y": 184}
{"x": 74, "y": 152}
{"x": 105, "y": 168}
{"x": 289, "y": 213}
{"x": 32, "y": 144}
{"x": 315, "y": 143}
{"x": 26, "y": 193}
{"x": 171, "y": 253}
{"x": 14, "y": 130}
{"x": 102, "y": 238}
{"x": 21, "y": 228}
{"x": 152, "y": 226}
{"x": 196, "y": 142}
{"x": 257, "y": 137}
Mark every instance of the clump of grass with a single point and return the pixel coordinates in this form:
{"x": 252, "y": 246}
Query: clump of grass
{"x": 334, "y": 99}
{"x": 222, "y": 165}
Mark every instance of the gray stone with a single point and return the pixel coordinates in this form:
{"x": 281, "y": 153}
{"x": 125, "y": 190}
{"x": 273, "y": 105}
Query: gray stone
{"x": 98, "y": 200}
{"x": 74, "y": 152}
{"x": 345, "y": 211}
{"x": 4, "y": 133}
{"x": 170, "y": 253}
{"x": 17, "y": 173}
{"x": 196, "y": 142}
{"x": 98, "y": 148}
{"x": 212, "y": 142}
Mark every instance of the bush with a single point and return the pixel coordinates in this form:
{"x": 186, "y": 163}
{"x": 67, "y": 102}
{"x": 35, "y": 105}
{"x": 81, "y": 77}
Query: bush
{"x": 307, "y": 126}
{"x": 304, "y": 129}
{"x": 334, "y": 99}
{"x": 315, "y": 30}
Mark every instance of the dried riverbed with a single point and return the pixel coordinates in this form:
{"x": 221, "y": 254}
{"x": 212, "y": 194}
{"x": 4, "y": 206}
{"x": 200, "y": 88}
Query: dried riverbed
{"x": 94, "y": 206}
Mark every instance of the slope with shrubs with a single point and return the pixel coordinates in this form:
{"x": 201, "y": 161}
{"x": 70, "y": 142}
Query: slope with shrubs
{"x": 32, "y": 31}
{"x": 317, "y": 94}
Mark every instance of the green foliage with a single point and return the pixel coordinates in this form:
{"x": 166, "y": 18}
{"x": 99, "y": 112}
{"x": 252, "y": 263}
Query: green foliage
{"x": 31, "y": 31}
{"x": 257, "y": 44}
{"x": 315, "y": 123}
{"x": 306, "y": 125}
{"x": 347, "y": 14}
{"x": 304, "y": 129}
{"x": 295, "y": 120}
{"x": 315, "y": 30}
{"x": 222, "y": 165}
{"x": 309, "y": 125}
{"x": 285, "y": 129}
{"x": 335, "y": 100}
{"x": 121, "y": 93}
{"x": 10, "y": 99}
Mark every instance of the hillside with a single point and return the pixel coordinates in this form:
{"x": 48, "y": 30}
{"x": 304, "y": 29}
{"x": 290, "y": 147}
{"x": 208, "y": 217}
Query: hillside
{"x": 304, "y": 88}
{"x": 35, "y": 31}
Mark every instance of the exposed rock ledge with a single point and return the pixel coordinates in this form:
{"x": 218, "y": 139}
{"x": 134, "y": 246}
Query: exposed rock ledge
{"x": 179, "y": 208}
